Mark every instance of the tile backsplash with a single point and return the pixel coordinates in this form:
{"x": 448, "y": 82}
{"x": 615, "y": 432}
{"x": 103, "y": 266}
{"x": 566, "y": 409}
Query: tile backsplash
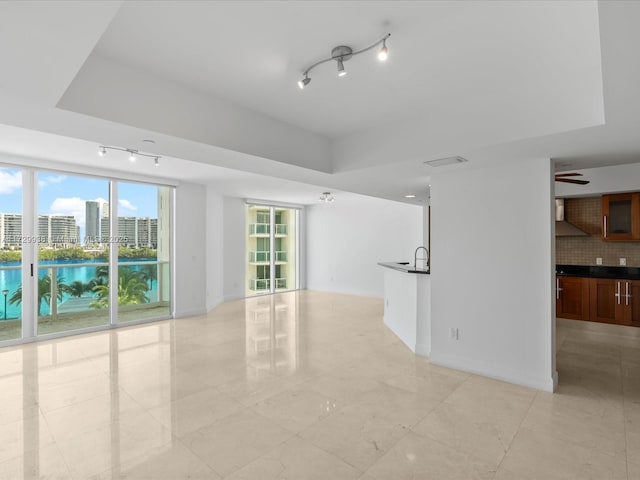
{"x": 586, "y": 214}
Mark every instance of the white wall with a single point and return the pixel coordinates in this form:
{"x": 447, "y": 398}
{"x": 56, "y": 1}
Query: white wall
{"x": 215, "y": 248}
{"x": 234, "y": 235}
{"x": 347, "y": 238}
{"x": 191, "y": 250}
{"x": 617, "y": 178}
{"x": 492, "y": 271}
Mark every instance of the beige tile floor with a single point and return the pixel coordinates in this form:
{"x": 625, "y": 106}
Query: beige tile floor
{"x": 309, "y": 385}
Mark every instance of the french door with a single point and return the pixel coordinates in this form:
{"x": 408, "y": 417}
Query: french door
{"x": 272, "y": 249}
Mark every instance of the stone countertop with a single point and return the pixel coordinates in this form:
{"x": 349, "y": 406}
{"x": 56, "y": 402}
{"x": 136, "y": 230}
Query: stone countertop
{"x": 598, "y": 271}
{"x": 406, "y": 267}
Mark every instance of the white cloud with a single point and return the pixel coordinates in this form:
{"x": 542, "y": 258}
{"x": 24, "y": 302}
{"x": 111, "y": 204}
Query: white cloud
{"x": 10, "y": 182}
{"x": 44, "y": 180}
{"x": 126, "y": 204}
{"x": 69, "y": 206}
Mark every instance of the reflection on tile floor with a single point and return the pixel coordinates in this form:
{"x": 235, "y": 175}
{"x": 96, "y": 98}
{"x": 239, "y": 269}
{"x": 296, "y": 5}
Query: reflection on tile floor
{"x": 308, "y": 385}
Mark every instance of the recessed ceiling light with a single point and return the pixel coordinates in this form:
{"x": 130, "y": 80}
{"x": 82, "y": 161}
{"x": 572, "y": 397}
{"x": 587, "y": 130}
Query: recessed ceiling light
{"x": 409, "y": 196}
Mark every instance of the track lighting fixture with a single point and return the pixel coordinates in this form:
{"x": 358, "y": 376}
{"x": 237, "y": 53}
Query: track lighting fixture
{"x": 383, "y": 54}
{"x": 341, "y": 54}
{"x": 304, "y": 82}
{"x": 133, "y": 154}
{"x": 326, "y": 197}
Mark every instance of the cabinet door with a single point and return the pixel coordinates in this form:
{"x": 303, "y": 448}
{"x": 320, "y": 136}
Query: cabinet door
{"x": 572, "y": 298}
{"x": 605, "y": 298}
{"x": 621, "y": 217}
{"x": 631, "y": 302}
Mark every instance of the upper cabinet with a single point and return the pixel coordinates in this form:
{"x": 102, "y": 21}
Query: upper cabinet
{"x": 621, "y": 217}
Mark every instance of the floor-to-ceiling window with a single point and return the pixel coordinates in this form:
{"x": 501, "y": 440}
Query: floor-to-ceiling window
{"x": 272, "y": 249}
{"x": 10, "y": 254}
{"x": 81, "y": 252}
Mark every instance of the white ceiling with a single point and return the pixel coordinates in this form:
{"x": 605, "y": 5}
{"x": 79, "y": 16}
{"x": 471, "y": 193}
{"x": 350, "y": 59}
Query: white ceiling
{"x": 213, "y": 83}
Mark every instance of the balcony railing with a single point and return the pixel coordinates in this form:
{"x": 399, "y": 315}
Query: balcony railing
{"x": 67, "y": 292}
{"x": 264, "y": 284}
{"x": 265, "y": 257}
{"x": 265, "y": 229}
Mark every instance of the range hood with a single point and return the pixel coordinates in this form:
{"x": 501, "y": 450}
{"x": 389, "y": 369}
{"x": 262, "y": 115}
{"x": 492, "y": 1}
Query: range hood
{"x": 564, "y": 228}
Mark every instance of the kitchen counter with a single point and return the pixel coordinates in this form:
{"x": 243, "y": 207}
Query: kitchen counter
{"x": 405, "y": 267}
{"x": 598, "y": 271}
{"x": 407, "y": 304}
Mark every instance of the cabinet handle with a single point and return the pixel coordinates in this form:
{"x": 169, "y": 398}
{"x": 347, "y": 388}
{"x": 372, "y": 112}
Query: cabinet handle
{"x": 626, "y": 293}
{"x": 558, "y": 289}
{"x": 604, "y": 218}
{"x": 617, "y": 295}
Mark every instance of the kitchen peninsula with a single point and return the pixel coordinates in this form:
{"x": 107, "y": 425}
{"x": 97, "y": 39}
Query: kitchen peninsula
{"x": 407, "y": 304}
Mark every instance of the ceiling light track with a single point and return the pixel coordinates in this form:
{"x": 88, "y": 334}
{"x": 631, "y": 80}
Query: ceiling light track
{"x": 341, "y": 54}
{"x": 133, "y": 153}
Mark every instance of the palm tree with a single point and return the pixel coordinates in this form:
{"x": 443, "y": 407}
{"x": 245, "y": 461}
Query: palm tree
{"x": 132, "y": 289}
{"x": 44, "y": 292}
{"x": 77, "y": 288}
{"x": 150, "y": 274}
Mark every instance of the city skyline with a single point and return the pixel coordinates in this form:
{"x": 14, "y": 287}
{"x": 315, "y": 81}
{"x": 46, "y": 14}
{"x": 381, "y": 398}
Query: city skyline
{"x": 67, "y": 194}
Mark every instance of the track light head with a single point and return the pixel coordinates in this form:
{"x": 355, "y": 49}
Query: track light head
{"x": 102, "y": 151}
{"x": 303, "y": 82}
{"x": 132, "y": 156}
{"x": 156, "y": 161}
{"x": 341, "y": 71}
{"x": 383, "y": 54}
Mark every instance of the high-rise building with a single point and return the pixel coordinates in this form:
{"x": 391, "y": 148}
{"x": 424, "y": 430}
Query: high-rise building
{"x": 92, "y": 222}
{"x": 10, "y": 230}
{"x": 105, "y": 210}
{"x": 60, "y": 231}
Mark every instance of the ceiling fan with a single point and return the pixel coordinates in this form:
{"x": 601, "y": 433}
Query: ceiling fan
{"x": 561, "y": 177}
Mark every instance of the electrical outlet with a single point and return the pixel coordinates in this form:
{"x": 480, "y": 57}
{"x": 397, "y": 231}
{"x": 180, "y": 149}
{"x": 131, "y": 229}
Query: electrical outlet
{"x": 623, "y": 262}
{"x": 598, "y": 260}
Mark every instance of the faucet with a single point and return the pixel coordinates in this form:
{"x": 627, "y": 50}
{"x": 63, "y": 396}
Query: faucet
{"x": 415, "y": 258}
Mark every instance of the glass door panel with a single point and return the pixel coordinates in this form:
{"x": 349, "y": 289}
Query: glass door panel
{"x": 10, "y": 254}
{"x": 144, "y": 269}
{"x": 285, "y": 249}
{"x": 271, "y": 249}
{"x": 73, "y": 268}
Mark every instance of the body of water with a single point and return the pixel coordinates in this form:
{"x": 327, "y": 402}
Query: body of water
{"x": 68, "y": 270}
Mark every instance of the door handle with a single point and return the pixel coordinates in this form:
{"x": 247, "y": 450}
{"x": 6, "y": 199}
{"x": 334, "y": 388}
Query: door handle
{"x": 604, "y": 229}
{"x": 617, "y": 295}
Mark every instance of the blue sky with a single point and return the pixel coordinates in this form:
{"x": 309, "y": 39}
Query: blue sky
{"x": 66, "y": 194}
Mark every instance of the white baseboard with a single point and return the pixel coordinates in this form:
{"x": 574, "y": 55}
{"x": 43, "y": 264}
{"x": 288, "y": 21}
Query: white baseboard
{"x": 545, "y": 384}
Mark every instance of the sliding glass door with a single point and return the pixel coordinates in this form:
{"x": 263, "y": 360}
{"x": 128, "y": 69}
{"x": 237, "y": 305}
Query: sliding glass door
{"x": 72, "y": 264}
{"x": 10, "y": 254}
{"x": 79, "y": 253}
{"x": 272, "y": 249}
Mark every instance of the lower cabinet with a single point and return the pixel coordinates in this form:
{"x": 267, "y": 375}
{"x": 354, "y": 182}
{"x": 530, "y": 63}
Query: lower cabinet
{"x": 572, "y": 297}
{"x": 598, "y": 300}
{"x": 615, "y": 301}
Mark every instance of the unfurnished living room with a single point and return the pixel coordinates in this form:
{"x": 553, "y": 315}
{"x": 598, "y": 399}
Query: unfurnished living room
{"x": 375, "y": 240}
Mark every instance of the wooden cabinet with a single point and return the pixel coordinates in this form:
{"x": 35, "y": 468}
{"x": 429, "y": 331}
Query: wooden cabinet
{"x": 572, "y": 298}
{"x": 631, "y": 301}
{"x": 621, "y": 217}
{"x": 615, "y": 301}
{"x": 604, "y": 300}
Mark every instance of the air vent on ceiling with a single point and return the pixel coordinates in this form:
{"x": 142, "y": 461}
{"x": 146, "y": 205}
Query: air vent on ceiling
{"x": 446, "y": 161}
